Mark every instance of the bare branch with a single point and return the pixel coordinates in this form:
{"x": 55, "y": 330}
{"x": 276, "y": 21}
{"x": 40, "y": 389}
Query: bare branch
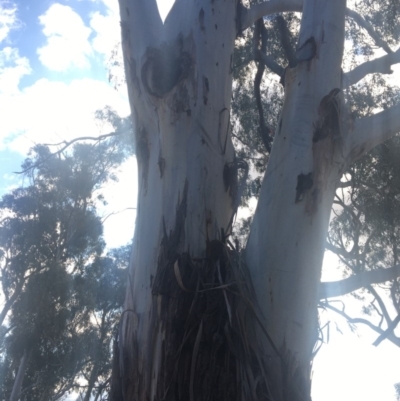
{"x": 272, "y": 64}
{"x": 344, "y": 184}
{"x": 379, "y": 65}
{"x": 339, "y": 251}
{"x": 372, "y": 131}
{"x": 391, "y": 337}
{"x": 120, "y": 211}
{"x": 285, "y": 36}
{"x": 382, "y": 305}
{"x": 332, "y": 289}
{"x": 250, "y": 15}
{"x": 369, "y": 28}
{"x": 66, "y": 144}
{"x": 388, "y": 331}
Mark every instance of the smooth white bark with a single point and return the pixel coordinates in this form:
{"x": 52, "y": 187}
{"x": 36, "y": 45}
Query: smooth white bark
{"x": 182, "y": 129}
{"x": 287, "y": 237}
{"x": 379, "y": 65}
{"x": 371, "y": 131}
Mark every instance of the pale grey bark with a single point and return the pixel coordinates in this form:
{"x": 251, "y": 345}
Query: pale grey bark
{"x": 287, "y": 237}
{"x": 380, "y": 65}
{"x": 368, "y": 132}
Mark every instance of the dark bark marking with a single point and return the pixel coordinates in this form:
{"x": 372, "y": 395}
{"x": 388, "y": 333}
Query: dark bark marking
{"x": 206, "y": 89}
{"x": 328, "y": 123}
{"x": 143, "y": 155}
{"x": 307, "y": 50}
{"x": 161, "y": 165}
{"x": 201, "y": 20}
{"x": 170, "y": 247}
{"x": 216, "y": 26}
{"x": 165, "y": 67}
{"x": 180, "y": 102}
{"x": 304, "y": 183}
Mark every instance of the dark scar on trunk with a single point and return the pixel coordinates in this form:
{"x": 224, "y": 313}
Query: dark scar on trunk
{"x": 304, "y": 183}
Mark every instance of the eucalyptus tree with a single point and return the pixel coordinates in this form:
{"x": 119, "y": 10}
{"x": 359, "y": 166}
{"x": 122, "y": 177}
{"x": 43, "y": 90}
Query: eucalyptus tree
{"x": 50, "y": 231}
{"x": 201, "y": 320}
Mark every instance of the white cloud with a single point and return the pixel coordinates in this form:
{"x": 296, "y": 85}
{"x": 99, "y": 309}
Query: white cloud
{"x": 51, "y": 112}
{"x": 108, "y": 32}
{"x": 12, "y": 69}
{"x": 67, "y": 39}
{"x": 8, "y": 19}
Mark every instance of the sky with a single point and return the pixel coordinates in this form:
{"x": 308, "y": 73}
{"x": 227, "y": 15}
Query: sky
{"x": 54, "y": 76}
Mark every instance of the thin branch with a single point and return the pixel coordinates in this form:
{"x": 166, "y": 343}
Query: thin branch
{"x": 379, "y": 65}
{"x": 391, "y": 337}
{"x": 120, "y": 211}
{"x": 372, "y": 131}
{"x": 250, "y": 15}
{"x": 340, "y": 251}
{"x": 332, "y": 289}
{"x": 380, "y": 302}
{"x": 66, "y": 144}
{"x": 369, "y": 28}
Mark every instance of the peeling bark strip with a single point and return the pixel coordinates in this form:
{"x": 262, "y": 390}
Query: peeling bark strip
{"x": 207, "y": 316}
{"x": 170, "y": 247}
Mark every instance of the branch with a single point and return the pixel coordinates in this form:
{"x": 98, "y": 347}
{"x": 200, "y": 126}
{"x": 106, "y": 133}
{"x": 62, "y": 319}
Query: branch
{"x": 371, "y": 131}
{"x": 380, "y": 65}
{"x": 271, "y": 64}
{"x": 369, "y": 28}
{"x": 388, "y": 331}
{"x": 344, "y": 184}
{"x": 66, "y": 145}
{"x": 391, "y": 337}
{"x": 250, "y": 15}
{"x": 285, "y": 36}
{"x": 332, "y": 289}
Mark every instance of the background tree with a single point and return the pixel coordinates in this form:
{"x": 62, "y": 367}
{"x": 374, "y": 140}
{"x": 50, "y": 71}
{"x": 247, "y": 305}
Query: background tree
{"x": 195, "y": 327}
{"x": 49, "y": 235}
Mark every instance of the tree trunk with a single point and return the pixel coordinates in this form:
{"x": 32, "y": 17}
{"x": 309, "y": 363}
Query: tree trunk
{"x": 190, "y": 329}
{"x": 180, "y": 92}
{"x": 287, "y": 238}
{"x": 16, "y": 390}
